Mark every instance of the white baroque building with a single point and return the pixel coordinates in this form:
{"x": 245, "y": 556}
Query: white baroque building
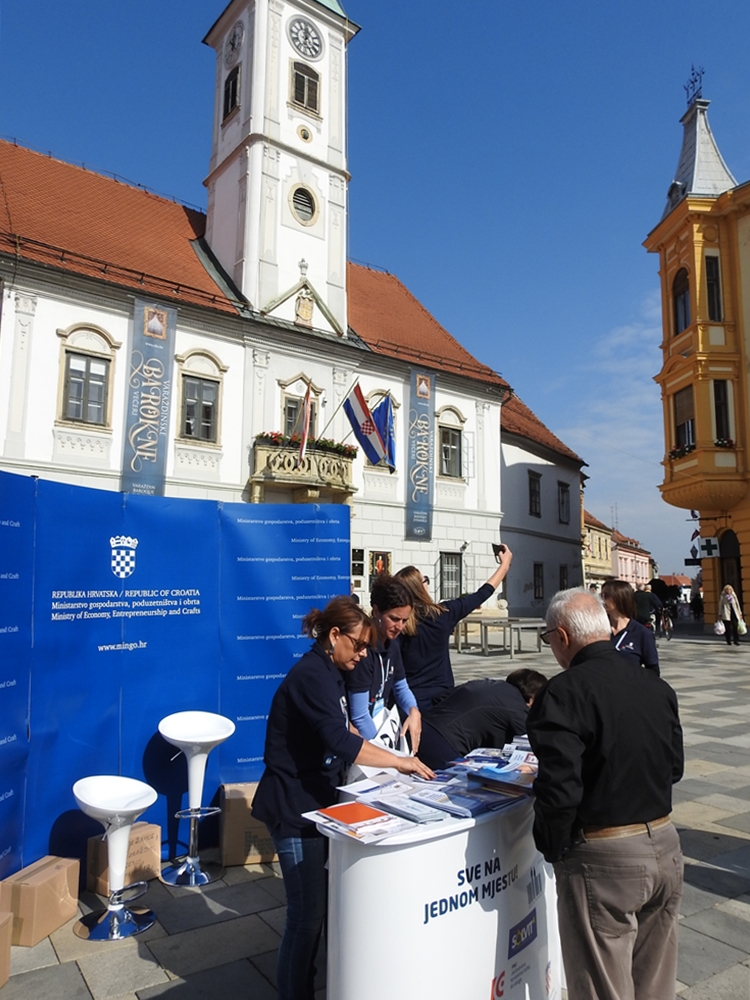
{"x": 253, "y": 307}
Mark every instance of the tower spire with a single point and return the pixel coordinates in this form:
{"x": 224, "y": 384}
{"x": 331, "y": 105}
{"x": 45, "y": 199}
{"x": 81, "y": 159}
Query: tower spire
{"x": 701, "y": 169}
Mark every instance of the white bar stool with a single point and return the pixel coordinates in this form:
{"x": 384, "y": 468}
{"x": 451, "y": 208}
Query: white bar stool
{"x": 116, "y": 802}
{"x": 196, "y": 734}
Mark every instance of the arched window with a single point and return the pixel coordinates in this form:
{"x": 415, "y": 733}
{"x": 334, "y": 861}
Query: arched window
{"x": 305, "y": 87}
{"x": 681, "y": 300}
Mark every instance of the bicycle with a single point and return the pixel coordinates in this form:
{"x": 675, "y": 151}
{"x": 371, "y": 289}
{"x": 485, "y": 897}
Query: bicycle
{"x": 666, "y": 625}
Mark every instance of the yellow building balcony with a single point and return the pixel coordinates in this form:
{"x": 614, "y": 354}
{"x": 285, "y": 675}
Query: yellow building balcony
{"x": 323, "y": 476}
{"x": 705, "y": 477}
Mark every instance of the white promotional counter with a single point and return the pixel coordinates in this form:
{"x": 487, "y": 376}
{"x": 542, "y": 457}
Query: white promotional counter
{"x": 454, "y": 910}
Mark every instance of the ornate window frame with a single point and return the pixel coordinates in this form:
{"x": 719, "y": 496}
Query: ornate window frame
{"x": 93, "y": 341}
{"x": 200, "y": 363}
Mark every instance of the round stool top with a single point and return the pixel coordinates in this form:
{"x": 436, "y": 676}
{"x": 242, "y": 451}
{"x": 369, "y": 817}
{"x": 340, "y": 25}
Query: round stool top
{"x": 103, "y": 796}
{"x": 203, "y": 729}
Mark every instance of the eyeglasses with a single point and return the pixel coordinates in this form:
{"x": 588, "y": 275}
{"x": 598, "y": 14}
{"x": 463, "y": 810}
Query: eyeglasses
{"x": 426, "y": 580}
{"x": 543, "y": 635}
{"x": 358, "y": 644}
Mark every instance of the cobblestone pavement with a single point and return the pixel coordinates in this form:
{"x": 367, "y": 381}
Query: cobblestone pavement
{"x": 222, "y": 941}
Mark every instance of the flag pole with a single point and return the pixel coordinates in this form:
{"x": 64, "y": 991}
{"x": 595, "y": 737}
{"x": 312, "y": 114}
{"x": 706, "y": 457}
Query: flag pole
{"x": 339, "y": 407}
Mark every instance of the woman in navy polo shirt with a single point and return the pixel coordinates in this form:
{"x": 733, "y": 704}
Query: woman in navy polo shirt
{"x": 308, "y": 746}
{"x": 630, "y": 637}
{"x": 380, "y": 674}
{"x": 426, "y": 636}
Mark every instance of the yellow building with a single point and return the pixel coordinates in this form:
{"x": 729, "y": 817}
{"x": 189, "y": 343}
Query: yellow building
{"x": 703, "y": 242}
{"x": 597, "y": 551}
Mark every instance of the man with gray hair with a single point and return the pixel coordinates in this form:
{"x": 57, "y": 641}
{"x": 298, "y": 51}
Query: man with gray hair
{"x": 608, "y": 738}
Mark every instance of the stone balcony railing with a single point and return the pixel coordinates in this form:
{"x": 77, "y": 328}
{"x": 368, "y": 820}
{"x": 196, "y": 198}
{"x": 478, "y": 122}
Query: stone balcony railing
{"x": 322, "y": 477}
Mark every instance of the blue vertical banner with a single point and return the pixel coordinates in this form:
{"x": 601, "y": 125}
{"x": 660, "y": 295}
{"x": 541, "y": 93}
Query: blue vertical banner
{"x": 278, "y": 562}
{"x": 420, "y": 456}
{"x": 17, "y": 505}
{"x": 149, "y": 399}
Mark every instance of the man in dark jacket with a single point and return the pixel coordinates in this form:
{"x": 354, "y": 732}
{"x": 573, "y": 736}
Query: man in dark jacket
{"x": 609, "y": 743}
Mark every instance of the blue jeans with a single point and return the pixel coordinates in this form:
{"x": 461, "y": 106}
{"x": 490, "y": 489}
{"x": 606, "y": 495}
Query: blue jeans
{"x": 302, "y": 861}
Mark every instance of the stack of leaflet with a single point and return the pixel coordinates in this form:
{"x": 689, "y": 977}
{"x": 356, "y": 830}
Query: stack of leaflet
{"x": 360, "y": 821}
{"x": 513, "y": 777}
{"x": 397, "y": 796}
{"x": 458, "y": 798}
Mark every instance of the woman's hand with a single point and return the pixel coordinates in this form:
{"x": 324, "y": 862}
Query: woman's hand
{"x": 413, "y": 765}
{"x": 413, "y": 726}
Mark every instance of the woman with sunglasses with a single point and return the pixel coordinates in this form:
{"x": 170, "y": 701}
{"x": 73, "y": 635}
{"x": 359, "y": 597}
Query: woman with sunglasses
{"x": 308, "y": 746}
{"x": 426, "y": 637}
{"x": 379, "y": 676}
{"x": 630, "y": 637}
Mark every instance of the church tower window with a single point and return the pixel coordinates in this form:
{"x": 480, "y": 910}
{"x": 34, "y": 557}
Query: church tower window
{"x": 681, "y": 300}
{"x": 303, "y": 206}
{"x": 231, "y": 91}
{"x": 305, "y": 88}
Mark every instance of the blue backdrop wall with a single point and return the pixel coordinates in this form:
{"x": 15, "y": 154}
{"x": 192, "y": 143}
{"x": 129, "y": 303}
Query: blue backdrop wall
{"x": 118, "y": 609}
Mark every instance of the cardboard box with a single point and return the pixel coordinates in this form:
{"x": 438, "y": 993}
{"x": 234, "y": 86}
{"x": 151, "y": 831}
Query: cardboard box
{"x": 244, "y": 840}
{"x": 144, "y": 858}
{"x": 6, "y": 933}
{"x": 41, "y": 897}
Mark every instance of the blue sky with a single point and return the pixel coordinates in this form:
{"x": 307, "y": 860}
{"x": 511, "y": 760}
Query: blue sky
{"x": 507, "y": 161}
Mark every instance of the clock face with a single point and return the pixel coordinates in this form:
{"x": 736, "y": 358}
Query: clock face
{"x": 305, "y": 38}
{"x": 233, "y": 44}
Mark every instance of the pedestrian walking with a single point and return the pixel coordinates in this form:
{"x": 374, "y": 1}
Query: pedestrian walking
{"x": 730, "y": 613}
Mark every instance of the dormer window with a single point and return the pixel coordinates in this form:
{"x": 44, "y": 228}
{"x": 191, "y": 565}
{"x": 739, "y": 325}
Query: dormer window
{"x": 681, "y": 301}
{"x": 231, "y": 92}
{"x": 305, "y": 88}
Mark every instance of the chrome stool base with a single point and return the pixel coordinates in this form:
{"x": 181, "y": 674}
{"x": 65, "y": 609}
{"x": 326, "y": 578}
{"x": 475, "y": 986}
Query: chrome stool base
{"x": 114, "y": 925}
{"x": 191, "y": 871}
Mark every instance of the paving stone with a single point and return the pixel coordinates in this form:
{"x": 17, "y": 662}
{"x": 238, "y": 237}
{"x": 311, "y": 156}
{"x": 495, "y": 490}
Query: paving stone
{"x": 716, "y": 880}
{"x": 28, "y": 959}
{"x": 58, "y": 982}
{"x": 275, "y": 919}
{"x": 207, "y": 947}
{"x": 739, "y": 907}
{"x": 266, "y": 964}
{"x": 720, "y": 800}
{"x": 696, "y": 787}
{"x": 244, "y": 873}
{"x": 236, "y": 979}
{"x": 740, "y": 821}
{"x": 731, "y": 984}
{"x": 704, "y": 844}
{"x": 701, "y": 957}
{"x": 112, "y": 973}
{"x": 722, "y": 926}
{"x": 184, "y": 914}
{"x": 699, "y": 767}
{"x": 692, "y": 813}
{"x": 69, "y": 947}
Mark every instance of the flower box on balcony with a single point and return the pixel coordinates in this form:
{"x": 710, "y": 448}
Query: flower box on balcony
{"x": 323, "y": 476}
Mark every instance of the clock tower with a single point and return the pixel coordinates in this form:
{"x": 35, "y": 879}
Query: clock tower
{"x": 277, "y": 183}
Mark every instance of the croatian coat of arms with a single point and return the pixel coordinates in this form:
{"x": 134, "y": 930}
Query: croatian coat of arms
{"x": 123, "y": 555}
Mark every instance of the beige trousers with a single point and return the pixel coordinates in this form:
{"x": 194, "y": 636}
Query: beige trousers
{"x": 618, "y": 902}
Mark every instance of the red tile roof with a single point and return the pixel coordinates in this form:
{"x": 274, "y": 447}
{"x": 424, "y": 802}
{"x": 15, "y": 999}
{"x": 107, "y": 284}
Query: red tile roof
{"x": 594, "y": 522}
{"x": 518, "y": 419}
{"x": 68, "y": 217}
{"x": 390, "y": 320}
{"x": 623, "y": 541}
{"x": 677, "y": 580}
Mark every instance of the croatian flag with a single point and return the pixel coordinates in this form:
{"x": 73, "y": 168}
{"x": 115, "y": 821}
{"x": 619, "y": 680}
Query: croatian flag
{"x": 363, "y": 425}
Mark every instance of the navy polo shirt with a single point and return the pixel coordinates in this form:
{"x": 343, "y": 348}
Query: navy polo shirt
{"x": 377, "y": 672}
{"x": 308, "y": 745}
{"x": 426, "y": 656}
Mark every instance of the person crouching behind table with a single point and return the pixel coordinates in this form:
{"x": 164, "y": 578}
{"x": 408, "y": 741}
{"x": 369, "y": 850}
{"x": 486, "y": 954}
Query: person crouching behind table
{"x": 630, "y": 637}
{"x": 308, "y": 746}
{"x": 608, "y": 738}
{"x": 479, "y": 713}
{"x": 379, "y": 675}
{"x": 730, "y": 613}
